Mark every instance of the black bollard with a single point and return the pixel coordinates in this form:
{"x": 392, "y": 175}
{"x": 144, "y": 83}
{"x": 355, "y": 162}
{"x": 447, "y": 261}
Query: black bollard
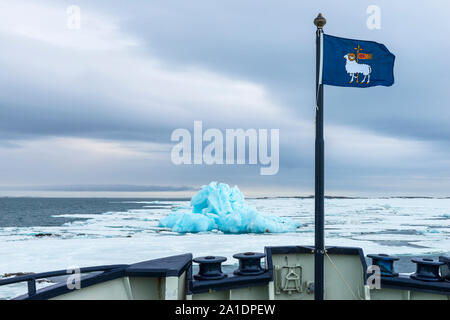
{"x": 210, "y": 268}
{"x": 385, "y": 262}
{"x": 249, "y": 263}
{"x": 427, "y": 270}
{"x": 445, "y": 269}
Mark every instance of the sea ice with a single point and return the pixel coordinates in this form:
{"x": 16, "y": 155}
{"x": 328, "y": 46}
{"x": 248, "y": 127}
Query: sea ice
{"x": 398, "y": 226}
{"x": 219, "y": 207}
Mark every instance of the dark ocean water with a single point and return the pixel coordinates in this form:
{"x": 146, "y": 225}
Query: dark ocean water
{"x": 29, "y": 212}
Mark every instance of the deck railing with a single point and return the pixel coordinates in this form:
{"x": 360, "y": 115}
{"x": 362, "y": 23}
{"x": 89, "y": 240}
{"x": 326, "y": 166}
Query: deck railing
{"x": 31, "y": 278}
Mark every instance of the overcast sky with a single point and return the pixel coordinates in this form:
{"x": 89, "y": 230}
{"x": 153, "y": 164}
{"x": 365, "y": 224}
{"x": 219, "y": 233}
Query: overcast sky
{"x": 97, "y": 105}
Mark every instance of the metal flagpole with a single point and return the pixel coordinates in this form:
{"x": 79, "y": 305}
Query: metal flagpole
{"x": 319, "y": 251}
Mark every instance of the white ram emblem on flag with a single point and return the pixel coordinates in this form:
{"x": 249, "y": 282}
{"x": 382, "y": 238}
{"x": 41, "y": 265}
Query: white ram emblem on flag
{"x": 354, "y": 68}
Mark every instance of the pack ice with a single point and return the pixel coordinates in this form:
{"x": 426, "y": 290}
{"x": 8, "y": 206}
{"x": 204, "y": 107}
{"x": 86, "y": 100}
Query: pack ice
{"x": 219, "y": 207}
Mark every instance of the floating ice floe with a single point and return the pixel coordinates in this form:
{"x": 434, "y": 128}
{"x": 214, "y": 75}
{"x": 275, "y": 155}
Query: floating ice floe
{"x": 219, "y": 207}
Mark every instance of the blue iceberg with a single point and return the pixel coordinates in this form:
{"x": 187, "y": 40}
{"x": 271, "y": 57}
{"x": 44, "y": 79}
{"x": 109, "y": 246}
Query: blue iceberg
{"x": 219, "y": 207}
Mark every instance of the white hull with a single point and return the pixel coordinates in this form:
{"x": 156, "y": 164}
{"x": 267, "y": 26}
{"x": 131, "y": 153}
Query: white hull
{"x": 287, "y": 274}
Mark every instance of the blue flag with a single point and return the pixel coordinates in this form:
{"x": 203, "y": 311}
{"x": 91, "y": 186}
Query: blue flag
{"x": 356, "y": 63}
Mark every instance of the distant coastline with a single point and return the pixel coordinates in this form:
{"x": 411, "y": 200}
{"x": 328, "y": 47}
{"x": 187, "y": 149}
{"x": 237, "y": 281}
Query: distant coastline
{"x": 99, "y": 188}
{"x": 161, "y": 197}
{"x": 156, "y": 192}
{"x": 346, "y": 197}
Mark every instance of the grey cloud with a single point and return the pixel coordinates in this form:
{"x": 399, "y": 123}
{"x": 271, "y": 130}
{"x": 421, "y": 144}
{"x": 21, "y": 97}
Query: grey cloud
{"x": 71, "y": 93}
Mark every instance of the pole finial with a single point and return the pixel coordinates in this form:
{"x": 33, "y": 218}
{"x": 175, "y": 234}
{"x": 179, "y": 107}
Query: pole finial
{"x": 320, "y": 21}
